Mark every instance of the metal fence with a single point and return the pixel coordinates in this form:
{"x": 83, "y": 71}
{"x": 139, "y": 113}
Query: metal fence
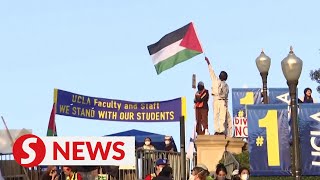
{"x": 11, "y": 170}
{"x": 145, "y": 164}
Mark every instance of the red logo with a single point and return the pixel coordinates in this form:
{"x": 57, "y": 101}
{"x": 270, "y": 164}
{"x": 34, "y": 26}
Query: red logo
{"x": 29, "y": 150}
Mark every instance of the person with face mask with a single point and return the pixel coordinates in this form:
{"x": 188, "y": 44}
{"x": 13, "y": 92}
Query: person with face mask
{"x": 221, "y": 172}
{"x": 168, "y": 144}
{"x": 244, "y": 173}
{"x": 220, "y": 92}
{"x": 202, "y": 108}
{"x": 146, "y": 152}
{"x": 160, "y": 164}
{"x": 148, "y": 144}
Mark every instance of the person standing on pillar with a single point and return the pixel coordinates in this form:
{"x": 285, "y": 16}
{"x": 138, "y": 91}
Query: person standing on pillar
{"x": 202, "y": 108}
{"x": 220, "y": 92}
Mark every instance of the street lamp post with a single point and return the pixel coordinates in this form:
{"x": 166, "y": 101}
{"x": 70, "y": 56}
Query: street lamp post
{"x": 291, "y": 68}
{"x": 263, "y": 64}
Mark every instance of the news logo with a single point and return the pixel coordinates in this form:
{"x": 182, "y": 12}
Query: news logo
{"x": 30, "y": 150}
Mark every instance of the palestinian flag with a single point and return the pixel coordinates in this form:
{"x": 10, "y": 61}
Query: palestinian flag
{"x": 52, "y": 129}
{"x": 175, "y": 47}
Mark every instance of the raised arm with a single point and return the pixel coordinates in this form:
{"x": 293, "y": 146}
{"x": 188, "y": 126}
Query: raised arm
{"x": 211, "y": 71}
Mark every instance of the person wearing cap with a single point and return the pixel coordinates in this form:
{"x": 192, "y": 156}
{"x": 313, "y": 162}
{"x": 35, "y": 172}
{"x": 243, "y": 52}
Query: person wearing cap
{"x": 160, "y": 164}
{"x": 200, "y": 172}
{"x": 168, "y": 144}
{"x": 165, "y": 174}
{"x": 202, "y": 108}
{"x": 220, "y": 92}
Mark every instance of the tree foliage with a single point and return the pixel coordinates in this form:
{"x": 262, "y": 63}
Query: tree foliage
{"x": 315, "y": 76}
{"x": 243, "y": 160}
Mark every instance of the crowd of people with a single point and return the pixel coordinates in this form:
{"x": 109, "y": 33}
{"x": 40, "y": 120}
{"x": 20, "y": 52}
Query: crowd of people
{"x": 200, "y": 172}
{"x": 163, "y": 171}
{"x": 68, "y": 173}
{"x": 222, "y": 124}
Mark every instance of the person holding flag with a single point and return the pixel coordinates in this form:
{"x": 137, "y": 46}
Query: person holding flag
{"x": 220, "y": 92}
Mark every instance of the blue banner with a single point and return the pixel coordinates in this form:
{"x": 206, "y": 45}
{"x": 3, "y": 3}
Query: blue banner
{"x": 279, "y": 96}
{"x": 80, "y": 106}
{"x": 269, "y": 140}
{"x": 309, "y": 125}
{"x": 241, "y": 97}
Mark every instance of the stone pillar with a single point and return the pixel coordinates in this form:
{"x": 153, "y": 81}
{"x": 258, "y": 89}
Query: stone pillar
{"x": 210, "y": 149}
{"x": 235, "y": 145}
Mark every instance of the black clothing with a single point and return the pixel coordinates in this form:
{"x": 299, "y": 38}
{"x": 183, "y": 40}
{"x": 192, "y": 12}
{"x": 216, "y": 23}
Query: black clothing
{"x": 170, "y": 148}
{"x": 162, "y": 178}
{"x": 46, "y": 176}
{"x": 307, "y": 100}
{"x": 204, "y": 98}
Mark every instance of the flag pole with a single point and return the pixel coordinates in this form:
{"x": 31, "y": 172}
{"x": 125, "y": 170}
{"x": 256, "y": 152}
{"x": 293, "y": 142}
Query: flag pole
{"x": 55, "y": 96}
{"x": 55, "y": 100}
{"x": 12, "y": 142}
{"x": 182, "y": 148}
{"x": 7, "y": 130}
{"x": 192, "y": 146}
{"x": 54, "y": 117}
